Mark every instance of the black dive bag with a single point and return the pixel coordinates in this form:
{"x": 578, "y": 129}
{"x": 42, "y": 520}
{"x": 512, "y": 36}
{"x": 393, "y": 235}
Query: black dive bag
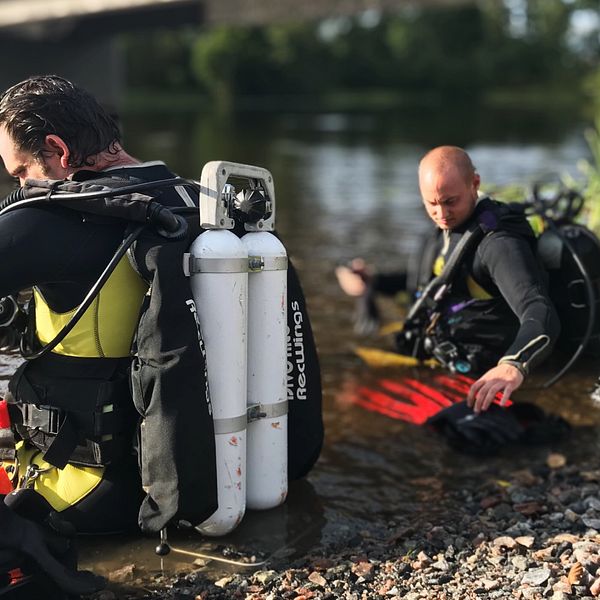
{"x": 568, "y": 287}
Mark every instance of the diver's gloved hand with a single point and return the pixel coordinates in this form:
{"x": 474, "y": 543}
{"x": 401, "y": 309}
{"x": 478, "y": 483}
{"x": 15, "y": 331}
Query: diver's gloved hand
{"x": 30, "y": 538}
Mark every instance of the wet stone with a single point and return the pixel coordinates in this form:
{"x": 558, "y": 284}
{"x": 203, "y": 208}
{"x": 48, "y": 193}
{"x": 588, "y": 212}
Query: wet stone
{"x": 519, "y": 562}
{"x": 536, "y": 577}
{"x": 532, "y": 593}
{"x": 317, "y": 579}
{"x": 571, "y": 515}
{"x": 592, "y": 502}
{"x": 123, "y": 574}
{"x": 505, "y": 542}
{"x": 525, "y": 540}
{"x": 592, "y": 523}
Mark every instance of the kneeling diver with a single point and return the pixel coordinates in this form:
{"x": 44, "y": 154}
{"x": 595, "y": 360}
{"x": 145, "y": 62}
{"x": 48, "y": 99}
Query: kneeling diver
{"x": 485, "y": 309}
{"x": 72, "y": 406}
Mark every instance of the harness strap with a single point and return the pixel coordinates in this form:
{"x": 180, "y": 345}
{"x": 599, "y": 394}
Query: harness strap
{"x": 85, "y": 422}
{"x": 439, "y": 286}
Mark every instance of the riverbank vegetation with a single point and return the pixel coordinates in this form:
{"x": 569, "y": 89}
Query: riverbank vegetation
{"x": 517, "y": 52}
{"x": 458, "y": 63}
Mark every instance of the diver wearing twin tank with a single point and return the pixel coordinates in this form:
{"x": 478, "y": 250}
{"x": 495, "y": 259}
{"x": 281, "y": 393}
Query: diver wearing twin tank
{"x": 62, "y": 252}
{"x": 498, "y": 309}
{"x": 128, "y": 381}
{"x": 110, "y": 499}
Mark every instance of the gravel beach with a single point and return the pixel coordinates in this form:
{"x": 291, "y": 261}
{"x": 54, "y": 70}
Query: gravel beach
{"x": 528, "y": 533}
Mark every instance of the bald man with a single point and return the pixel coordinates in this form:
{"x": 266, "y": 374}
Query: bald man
{"x": 499, "y": 301}
{"x": 497, "y": 320}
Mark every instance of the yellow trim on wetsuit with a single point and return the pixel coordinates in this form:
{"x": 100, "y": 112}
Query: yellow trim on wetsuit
{"x": 61, "y": 487}
{"x": 474, "y": 288}
{"x": 106, "y": 328}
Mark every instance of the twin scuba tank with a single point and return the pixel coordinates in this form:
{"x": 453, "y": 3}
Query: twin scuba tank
{"x": 239, "y": 287}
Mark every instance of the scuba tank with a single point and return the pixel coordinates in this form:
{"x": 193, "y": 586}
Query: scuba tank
{"x": 218, "y": 270}
{"x": 267, "y": 473}
{"x": 243, "y": 319}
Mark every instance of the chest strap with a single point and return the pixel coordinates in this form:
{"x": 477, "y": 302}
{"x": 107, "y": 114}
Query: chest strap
{"x": 439, "y": 286}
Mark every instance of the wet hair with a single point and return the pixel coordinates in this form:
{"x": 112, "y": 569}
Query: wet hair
{"x": 50, "y": 105}
{"x": 450, "y": 156}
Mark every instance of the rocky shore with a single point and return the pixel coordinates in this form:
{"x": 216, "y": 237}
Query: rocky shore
{"x": 534, "y": 534}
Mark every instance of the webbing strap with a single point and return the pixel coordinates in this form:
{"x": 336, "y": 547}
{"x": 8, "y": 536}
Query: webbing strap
{"x": 437, "y": 287}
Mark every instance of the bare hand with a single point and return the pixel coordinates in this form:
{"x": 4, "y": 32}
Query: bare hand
{"x": 505, "y": 378}
{"x": 353, "y": 279}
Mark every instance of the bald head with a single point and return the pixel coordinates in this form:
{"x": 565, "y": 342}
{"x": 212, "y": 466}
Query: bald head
{"x": 444, "y": 158}
{"x": 448, "y": 183}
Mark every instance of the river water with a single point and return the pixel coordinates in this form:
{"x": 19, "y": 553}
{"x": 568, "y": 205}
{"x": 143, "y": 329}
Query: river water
{"x": 346, "y": 186}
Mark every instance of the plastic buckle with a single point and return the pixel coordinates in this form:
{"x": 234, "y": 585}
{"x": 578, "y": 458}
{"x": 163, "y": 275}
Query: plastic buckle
{"x": 47, "y": 419}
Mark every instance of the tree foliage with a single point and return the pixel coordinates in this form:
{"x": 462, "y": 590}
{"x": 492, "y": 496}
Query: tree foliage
{"x": 452, "y": 52}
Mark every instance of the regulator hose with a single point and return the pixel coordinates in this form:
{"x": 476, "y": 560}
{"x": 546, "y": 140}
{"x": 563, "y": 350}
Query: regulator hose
{"x": 152, "y": 211}
{"x": 89, "y": 298}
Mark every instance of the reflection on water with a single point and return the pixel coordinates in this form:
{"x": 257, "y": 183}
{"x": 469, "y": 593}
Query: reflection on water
{"x": 346, "y": 186}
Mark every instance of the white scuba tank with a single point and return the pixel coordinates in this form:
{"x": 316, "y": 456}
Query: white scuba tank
{"x": 267, "y": 468}
{"x": 226, "y": 297}
{"x": 219, "y": 281}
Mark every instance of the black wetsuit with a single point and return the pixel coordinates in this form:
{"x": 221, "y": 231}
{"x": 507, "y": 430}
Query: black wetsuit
{"x": 62, "y": 252}
{"x": 516, "y": 322}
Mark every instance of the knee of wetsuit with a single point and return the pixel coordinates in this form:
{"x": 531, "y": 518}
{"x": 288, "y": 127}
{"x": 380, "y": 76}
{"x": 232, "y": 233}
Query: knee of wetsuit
{"x": 28, "y": 504}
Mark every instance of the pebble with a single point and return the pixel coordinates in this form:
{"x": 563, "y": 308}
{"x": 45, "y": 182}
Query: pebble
{"x": 536, "y": 577}
{"x": 528, "y": 535}
{"x": 505, "y": 542}
{"x": 520, "y": 562}
{"x": 317, "y": 579}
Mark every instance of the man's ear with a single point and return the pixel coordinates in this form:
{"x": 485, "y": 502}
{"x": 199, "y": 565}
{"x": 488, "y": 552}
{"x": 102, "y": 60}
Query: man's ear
{"x": 476, "y": 181}
{"x": 56, "y": 145}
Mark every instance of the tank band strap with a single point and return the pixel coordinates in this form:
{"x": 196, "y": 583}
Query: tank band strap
{"x": 255, "y": 412}
{"x": 193, "y": 264}
{"x": 267, "y": 411}
{"x": 267, "y": 263}
{"x": 231, "y": 424}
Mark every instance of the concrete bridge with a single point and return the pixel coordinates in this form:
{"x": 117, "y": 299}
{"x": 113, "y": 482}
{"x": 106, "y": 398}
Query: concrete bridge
{"x": 75, "y": 38}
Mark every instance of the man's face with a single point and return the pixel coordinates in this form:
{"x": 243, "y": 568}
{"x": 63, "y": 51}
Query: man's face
{"x": 448, "y": 196}
{"x": 23, "y": 165}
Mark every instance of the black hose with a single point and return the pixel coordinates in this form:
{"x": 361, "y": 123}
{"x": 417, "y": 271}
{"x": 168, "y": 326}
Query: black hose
{"x": 89, "y": 298}
{"x": 166, "y": 219}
